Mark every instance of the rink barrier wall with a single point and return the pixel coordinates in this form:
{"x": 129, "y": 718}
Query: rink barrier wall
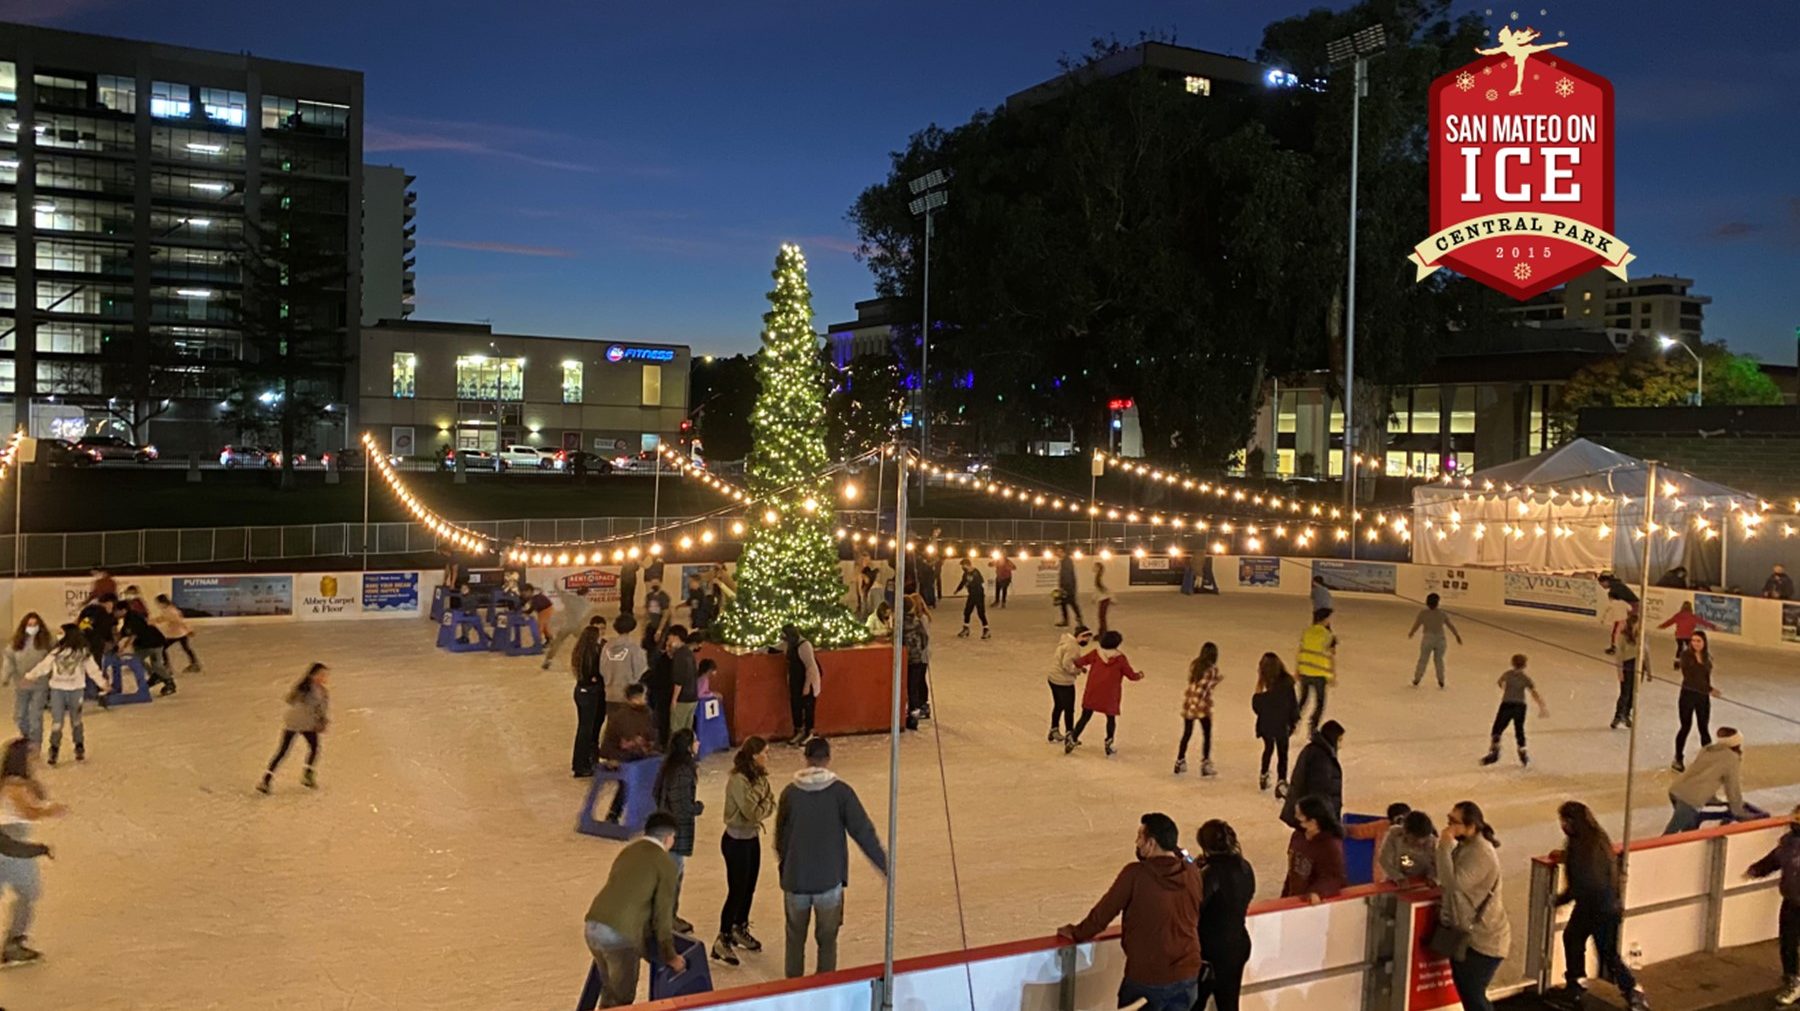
{"x": 1337, "y": 954}
{"x": 1686, "y": 894}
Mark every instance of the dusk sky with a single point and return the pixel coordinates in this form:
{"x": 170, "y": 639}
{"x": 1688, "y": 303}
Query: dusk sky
{"x": 625, "y": 171}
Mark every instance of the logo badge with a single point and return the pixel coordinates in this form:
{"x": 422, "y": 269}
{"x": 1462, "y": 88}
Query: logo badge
{"x": 616, "y": 353}
{"x": 1521, "y": 170}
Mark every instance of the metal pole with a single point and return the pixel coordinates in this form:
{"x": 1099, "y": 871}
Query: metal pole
{"x": 1361, "y": 79}
{"x": 893, "y": 826}
{"x": 368, "y": 465}
{"x": 1643, "y": 644}
{"x": 656, "y": 488}
{"x": 1699, "y": 379}
{"x": 1093, "y": 489}
{"x": 925, "y": 364}
{"x": 18, "y": 479}
{"x": 880, "y": 490}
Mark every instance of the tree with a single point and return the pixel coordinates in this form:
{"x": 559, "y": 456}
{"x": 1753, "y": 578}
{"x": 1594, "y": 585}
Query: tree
{"x": 293, "y": 322}
{"x": 867, "y": 397}
{"x": 724, "y": 392}
{"x": 1645, "y": 377}
{"x": 789, "y": 573}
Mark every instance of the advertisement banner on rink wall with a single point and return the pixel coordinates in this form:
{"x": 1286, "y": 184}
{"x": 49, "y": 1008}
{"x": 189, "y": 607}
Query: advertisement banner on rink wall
{"x": 1449, "y": 584}
{"x": 74, "y": 596}
{"x": 1428, "y": 983}
{"x": 233, "y": 596}
{"x": 1727, "y": 613}
{"x": 1790, "y": 622}
{"x": 1046, "y": 574}
{"x": 1253, "y": 571}
{"x": 1154, "y": 570}
{"x": 327, "y": 594}
{"x": 1569, "y": 594}
{"x": 391, "y": 592}
{"x": 599, "y": 584}
{"x": 1357, "y": 577}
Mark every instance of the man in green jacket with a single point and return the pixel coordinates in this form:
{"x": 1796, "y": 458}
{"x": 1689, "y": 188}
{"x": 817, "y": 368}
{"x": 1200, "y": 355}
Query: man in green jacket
{"x": 636, "y": 903}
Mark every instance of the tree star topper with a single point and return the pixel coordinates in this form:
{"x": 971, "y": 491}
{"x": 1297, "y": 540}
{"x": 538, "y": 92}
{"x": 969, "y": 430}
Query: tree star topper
{"x": 1522, "y": 180}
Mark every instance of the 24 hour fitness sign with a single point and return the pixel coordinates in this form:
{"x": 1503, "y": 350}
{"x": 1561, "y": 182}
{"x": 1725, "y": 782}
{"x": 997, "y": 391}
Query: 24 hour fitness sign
{"x": 1521, "y": 170}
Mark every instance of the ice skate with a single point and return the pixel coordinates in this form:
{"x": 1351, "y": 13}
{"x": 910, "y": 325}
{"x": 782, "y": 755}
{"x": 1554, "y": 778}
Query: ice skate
{"x": 1207, "y": 768}
{"x": 80, "y": 752}
{"x": 193, "y": 667}
{"x": 741, "y": 937}
{"x": 17, "y": 954}
{"x": 1524, "y": 757}
{"x": 964, "y": 634}
{"x": 1180, "y": 766}
{"x": 1110, "y": 750}
{"x": 1790, "y": 993}
{"x": 798, "y": 739}
{"x": 1281, "y": 790}
{"x": 1262, "y": 782}
{"x": 263, "y": 785}
{"x": 1677, "y": 766}
{"x": 1568, "y": 996}
{"x": 1070, "y": 743}
{"x": 984, "y": 632}
{"x": 1492, "y": 756}
{"x": 1618, "y": 721}
{"x": 682, "y": 926}
{"x": 54, "y": 748}
{"x": 1637, "y": 1001}
{"x": 308, "y": 780}
{"x": 168, "y": 688}
{"x": 721, "y": 951}
{"x": 1056, "y": 736}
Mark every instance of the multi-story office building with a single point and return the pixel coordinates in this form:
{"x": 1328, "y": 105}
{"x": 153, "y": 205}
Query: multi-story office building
{"x": 387, "y": 243}
{"x": 131, "y": 176}
{"x": 429, "y": 385}
{"x": 1196, "y": 71}
{"x": 872, "y": 331}
{"x": 1645, "y": 308}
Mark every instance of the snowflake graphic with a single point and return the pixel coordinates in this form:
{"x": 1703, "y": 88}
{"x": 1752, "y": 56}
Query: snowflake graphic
{"x": 1521, "y": 271}
{"x": 1565, "y": 88}
{"x": 1488, "y": 69}
{"x": 1493, "y": 95}
{"x": 1465, "y": 81}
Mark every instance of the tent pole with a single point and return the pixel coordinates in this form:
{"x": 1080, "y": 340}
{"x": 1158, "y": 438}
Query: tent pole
{"x": 1725, "y": 552}
{"x": 1643, "y": 664}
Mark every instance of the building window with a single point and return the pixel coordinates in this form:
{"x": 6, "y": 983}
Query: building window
{"x": 9, "y": 81}
{"x": 479, "y": 377}
{"x": 223, "y": 106}
{"x": 405, "y": 374}
{"x": 117, "y": 93}
{"x": 1587, "y": 296}
{"x": 652, "y": 386}
{"x": 171, "y": 101}
{"x": 68, "y": 92}
{"x": 1198, "y": 85}
{"x": 571, "y": 387}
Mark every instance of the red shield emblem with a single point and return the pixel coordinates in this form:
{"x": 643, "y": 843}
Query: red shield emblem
{"x": 1521, "y": 170}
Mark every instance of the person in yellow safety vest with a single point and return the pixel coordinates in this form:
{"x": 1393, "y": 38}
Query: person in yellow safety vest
{"x": 1317, "y": 663}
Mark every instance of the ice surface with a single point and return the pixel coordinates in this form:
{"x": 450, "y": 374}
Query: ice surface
{"x": 437, "y": 864}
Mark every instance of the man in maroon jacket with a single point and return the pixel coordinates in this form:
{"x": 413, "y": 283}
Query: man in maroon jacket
{"x": 1159, "y": 896}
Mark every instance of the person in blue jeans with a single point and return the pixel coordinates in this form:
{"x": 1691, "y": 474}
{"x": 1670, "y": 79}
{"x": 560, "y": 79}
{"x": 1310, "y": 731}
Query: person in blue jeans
{"x": 1157, "y": 896}
{"x": 1469, "y": 877}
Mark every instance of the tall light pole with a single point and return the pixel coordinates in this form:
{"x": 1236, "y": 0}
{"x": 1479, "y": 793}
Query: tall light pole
{"x": 1668, "y": 342}
{"x": 928, "y": 198}
{"x": 1355, "y": 50}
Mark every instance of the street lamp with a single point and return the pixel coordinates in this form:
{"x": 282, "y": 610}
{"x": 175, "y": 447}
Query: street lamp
{"x": 1668, "y": 342}
{"x": 929, "y": 198}
{"x": 1354, "y": 50}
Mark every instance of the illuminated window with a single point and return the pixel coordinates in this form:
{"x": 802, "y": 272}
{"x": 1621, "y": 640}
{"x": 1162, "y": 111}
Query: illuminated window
{"x": 479, "y": 377}
{"x": 223, "y": 106}
{"x": 9, "y": 81}
{"x": 171, "y": 101}
{"x": 652, "y": 386}
{"x": 571, "y": 382}
{"x": 1587, "y": 296}
{"x": 405, "y": 378}
{"x": 1198, "y": 85}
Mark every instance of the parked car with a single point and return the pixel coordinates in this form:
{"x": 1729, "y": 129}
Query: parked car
{"x": 351, "y": 458}
{"x": 526, "y": 457}
{"x": 551, "y": 457}
{"x": 232, "y": 457}
{"x": 62, "y": 453}
{"x": 472, "y": 459}
{"x": 645, "y": 460}
{"x": 570, "y": 460}
{"x": 113, "y": 447}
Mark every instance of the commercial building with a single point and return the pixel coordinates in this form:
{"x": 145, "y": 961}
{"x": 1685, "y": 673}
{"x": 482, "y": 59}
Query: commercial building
{"x": 872, "y": 331}
{"x": 429, "y": 385}
{"x": 1659, "y": 305}
{"x": 131, "y": 174}
{"x": 389, "y": 203}
{"x": 1198, "y": 72}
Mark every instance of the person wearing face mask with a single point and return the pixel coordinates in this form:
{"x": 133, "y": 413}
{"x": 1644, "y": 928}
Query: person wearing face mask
{"x": 1469, "y": 876}
{"x": 1158, "y": 898}
{"x": 1785, "y": 858}
{"x": 30, "y": 644}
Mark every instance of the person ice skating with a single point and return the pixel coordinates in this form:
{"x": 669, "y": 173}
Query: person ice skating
{"x": 1592, "y": 875}
{"x": 1317, "y": 662}
{"x": 29, "y": 646}
{"x": 1004, "y": 568}
{"x": 676, "y": 791}
{"x": 308, "y": 713}
{"x": 699, "y": 604}
{"x": 1103, "y": 598}
{"x": 1277, "y": 715}
{"x": 622, "y": 663}
{"x": 1157, "y": 898}
{"x": 1197, "y": 706}
{"x": 1785, "y": 859}
{"x": 1227, "y": 884}
{"x": 1718, "y": 768}
{"x": 1694, "y": 701}
{"x": 881, "y": 622}
{"x": 1628, "y": 672}
{"x": 99, "y": 626}
{"x": 628, "y": 580}
{"x": 1779, "y": 585}
{"x": 816, "y": 813}
{"x": 541, "y": 608}
{"x": 1107, "y": 670}
{"x": 1065, "y": 588}
{"x": 931, "y": 574}
{"x": 1315, "y": 853}
{"x": 1469, "y": 880}
{"x": 1317, "y": 773}
{"x": 69, "y": 667}
{"x": 139, "y": 638}
{"x": 630, "y": 732}
{"x": 1516, "y": 44}
{"x": 804, "y": 682}
{"x": 23, "y": 800}
{"x": 1685, "y": 623}
{"x": 1620, "y": 601}
{"x": 915, "y": 636}
{"x": 1514, "y": 685}
{"x": 659, "y": 679}
{"x": 635, "y": 906}
{"x": 176, "y": 631}
{"x": 590, "y": 703}
{"x": 1188, "y": 574}
{"x": 1409, "y": 851}
{"x": 102, "y": 585}
{"x": 749, "y": 803}
{"x": 1321, "y": 595}
{"x": 1065, "y": 669}
{"x": 684, "y": 676}
{"x": 656, "y": 612}
{"x": 570, "y": 614}
{"x": 1432, "y": 644}
{"x": 976, "y": 603}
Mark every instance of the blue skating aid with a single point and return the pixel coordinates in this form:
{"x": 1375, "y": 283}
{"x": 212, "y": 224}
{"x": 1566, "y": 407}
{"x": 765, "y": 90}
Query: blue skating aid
{"x": 439, "y": 600}
{"x": 710, "y": 727}
{"x": 695, "y": 979}
{"x": 458, "y": 623}
{"x": 116, "y": 666}
{"x": 637, "y": 779}
{"x": 526, "y": 639}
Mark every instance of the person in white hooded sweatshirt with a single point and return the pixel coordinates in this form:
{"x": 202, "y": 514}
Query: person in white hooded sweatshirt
{"x": 815, "y": 814}
{"x": 622, "y": 662}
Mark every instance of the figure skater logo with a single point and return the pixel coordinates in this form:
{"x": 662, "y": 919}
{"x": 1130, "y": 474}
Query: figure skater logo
{"x": 1518, "y": 45}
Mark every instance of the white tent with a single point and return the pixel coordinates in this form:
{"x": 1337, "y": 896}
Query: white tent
{"x": 1576, "y": 508}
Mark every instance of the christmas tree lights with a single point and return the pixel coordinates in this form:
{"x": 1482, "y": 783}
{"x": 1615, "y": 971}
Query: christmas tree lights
{"x": 789, "y": 571}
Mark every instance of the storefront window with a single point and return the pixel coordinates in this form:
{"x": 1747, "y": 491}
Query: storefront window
{"x": 405, "y": 369}
{"x": 652, "y": 386}
{"x": 479, "y": 377}
{"x": 571, "y": 382}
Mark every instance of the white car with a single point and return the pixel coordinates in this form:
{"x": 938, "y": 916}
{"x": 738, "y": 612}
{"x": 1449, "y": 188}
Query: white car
{"x": 550, "y": 457}
{"x": 523, "y": 456}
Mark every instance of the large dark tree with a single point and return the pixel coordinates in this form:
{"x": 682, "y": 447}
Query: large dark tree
{"x": 864, "y": 406}
{"x": 723, "y": 392}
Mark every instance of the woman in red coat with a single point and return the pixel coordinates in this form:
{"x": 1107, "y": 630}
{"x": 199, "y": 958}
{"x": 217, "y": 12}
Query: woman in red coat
{"x": 1107, "y": 671}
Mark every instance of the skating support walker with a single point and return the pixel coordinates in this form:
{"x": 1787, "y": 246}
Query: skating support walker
{"x": 466, "y": 626}
{"x": 516, "y": 634}
{"x": 709, "y": 725}
{"x": 637, "y": 780}
{"x": 696, "y": 978}
{"x": 114, "y": 670}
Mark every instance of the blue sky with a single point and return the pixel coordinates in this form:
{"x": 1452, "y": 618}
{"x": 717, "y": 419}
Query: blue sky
{"x": 625, "y": 171}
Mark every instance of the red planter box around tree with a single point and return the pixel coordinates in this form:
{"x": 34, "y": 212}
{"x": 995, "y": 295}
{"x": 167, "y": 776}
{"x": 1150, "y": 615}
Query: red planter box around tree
{"x": 855, "y": 696}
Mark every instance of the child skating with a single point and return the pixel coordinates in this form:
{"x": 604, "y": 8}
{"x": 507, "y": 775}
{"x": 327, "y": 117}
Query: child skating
{"x": 1197, "y": 705}
{"x": 974, "y": 582}
{"x": 1102, "y": 595}
{"x": 308, "y": 713}
{"x": 1515, "y": 684}
{"x": 1108, "y": 669}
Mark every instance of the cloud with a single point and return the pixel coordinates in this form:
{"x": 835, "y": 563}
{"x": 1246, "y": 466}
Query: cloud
{"x": 45, "y": 12}
{"x": 510, "y": 143}
{"x": 504, "y": 248}
{"x": 379, "y": 138}
{"x": 1735, "y": 230}
{"x": 833, "y": 243}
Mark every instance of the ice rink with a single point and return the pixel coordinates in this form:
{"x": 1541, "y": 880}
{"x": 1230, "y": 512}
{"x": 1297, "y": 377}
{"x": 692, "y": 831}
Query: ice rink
{"x": 437, "y": 864}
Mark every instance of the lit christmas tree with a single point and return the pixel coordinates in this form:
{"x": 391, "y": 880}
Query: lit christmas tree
{"x": 789, "y": 570}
